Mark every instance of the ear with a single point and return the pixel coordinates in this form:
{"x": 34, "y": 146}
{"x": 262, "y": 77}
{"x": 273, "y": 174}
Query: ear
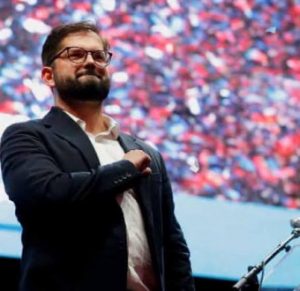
{"x": 47, "y": 76}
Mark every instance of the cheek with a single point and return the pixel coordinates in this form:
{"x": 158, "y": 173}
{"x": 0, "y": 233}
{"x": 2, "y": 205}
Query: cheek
{"x": 60, "y": 78}
{"x": 65, "y": 68}
{"x": 64, "y": 74}
{"x": 103, "y": 72}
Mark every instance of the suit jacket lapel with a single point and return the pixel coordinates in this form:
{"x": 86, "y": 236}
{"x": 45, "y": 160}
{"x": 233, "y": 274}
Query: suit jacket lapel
{"x": 144, "y": 196}
{"x": 128, "y": 143}
{"x": 61, "y": 124}
{"x": 144, "y": 192}
{"x": 143, "y": 188}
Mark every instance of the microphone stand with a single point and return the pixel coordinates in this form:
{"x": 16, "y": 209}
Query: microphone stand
{"x": 250, "y": 277}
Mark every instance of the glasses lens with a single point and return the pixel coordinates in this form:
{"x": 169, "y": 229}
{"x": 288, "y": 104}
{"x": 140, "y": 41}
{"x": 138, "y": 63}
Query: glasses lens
{"x": 101, "y": 57}
{"x": 77, "y": 55}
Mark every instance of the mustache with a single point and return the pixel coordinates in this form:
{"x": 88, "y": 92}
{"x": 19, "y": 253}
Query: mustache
{"x": 89, "y": 73}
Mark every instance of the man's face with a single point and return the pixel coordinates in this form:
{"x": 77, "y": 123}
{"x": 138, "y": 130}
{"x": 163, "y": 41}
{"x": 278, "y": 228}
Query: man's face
{"x": 85, "y": 81}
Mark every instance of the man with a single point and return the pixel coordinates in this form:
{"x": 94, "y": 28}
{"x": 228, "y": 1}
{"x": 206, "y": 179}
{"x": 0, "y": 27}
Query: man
{"x": 95, "y": 205}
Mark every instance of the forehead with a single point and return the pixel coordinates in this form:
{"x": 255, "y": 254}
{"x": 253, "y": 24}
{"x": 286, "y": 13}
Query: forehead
{"x": 83, "y": 39}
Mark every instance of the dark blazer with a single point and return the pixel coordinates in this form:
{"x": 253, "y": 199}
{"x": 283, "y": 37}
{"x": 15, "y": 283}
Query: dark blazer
{"x": 74, "y": 235}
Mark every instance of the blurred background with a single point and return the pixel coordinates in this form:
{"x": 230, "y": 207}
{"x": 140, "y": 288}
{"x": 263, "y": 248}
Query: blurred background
{"x": 214, "y": 85}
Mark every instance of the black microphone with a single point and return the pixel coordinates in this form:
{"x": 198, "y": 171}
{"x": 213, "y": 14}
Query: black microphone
{"x": 253, "y": 271}
{"x": 295, "y": 222}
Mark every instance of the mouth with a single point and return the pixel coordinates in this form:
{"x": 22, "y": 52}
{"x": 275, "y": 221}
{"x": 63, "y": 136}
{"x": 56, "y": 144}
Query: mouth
{"x": 93, "y": 74}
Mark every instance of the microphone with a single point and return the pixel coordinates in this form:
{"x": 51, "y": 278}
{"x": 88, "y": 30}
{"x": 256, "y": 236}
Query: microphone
{"x": 249, "y": 278}
{"x": 295, "y": 222}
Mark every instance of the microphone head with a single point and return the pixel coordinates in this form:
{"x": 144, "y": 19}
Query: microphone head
{"x": 295, "y": 222}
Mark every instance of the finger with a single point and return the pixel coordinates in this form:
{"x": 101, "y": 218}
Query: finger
{"x": 147, "y": 171}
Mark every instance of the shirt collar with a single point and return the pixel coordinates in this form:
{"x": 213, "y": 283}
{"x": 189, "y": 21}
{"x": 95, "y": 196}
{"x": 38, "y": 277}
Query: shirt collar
{"x": 113, "y": 128}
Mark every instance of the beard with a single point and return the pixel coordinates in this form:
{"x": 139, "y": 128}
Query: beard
{"x": 87, "y": 87}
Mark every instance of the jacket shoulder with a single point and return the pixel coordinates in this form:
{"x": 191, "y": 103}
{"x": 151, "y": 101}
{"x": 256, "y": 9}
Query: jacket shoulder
{"x": 19, "y": 127}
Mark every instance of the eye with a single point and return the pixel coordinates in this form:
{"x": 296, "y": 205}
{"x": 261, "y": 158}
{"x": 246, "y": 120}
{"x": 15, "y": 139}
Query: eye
{"x": 100, "y": 56}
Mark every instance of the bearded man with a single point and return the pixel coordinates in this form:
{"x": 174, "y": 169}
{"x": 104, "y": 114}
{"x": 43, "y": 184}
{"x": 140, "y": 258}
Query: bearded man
{"x": 95, "y": 205}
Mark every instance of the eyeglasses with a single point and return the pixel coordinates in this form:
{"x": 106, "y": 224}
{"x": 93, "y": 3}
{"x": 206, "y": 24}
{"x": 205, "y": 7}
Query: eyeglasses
{"x": 78, "y": 56}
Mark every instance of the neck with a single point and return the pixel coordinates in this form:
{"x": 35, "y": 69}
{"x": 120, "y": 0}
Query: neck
{"x": 89, "y": 112}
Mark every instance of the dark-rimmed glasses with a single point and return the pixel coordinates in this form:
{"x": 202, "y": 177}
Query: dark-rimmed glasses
{"x": 78, "y": 55}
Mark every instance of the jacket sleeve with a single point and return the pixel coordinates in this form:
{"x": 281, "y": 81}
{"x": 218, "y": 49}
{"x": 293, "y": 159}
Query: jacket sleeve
{"x": 32, "y": 177}
{"x": 177, "y": 256}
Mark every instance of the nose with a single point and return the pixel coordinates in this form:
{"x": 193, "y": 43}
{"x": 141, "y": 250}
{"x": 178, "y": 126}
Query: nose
{"x": 89, "y": 58}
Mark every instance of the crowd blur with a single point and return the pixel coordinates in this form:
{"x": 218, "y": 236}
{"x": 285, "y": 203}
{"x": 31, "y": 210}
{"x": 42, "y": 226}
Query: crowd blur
{"x": 214, "y": 85}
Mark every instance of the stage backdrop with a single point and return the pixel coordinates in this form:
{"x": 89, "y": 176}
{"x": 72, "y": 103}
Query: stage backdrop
{"x": 214, "y": 86}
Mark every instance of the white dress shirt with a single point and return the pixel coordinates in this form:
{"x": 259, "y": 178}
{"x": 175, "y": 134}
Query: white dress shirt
{"x": 140, "y": 276}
